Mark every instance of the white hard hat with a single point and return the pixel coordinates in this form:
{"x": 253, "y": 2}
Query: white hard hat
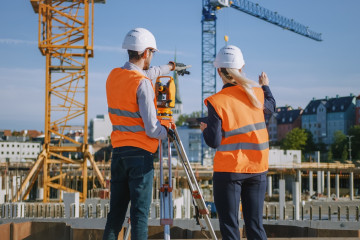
{"x": 229, "y": 56}
{"x": 139, "y": 39}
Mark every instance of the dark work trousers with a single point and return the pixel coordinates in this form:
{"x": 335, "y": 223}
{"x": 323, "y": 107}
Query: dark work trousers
{"x": 228, "y": 189}
{"x": 132, "y": 173}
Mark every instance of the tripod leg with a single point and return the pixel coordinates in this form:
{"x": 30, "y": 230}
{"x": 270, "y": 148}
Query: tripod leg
{"x": 165, "y": 195}
{"x": 194, "y": 187}
{"x": 128, "y": 230}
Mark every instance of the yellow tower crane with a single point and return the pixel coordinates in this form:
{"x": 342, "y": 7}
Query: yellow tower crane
{"x": 66, "y": 40}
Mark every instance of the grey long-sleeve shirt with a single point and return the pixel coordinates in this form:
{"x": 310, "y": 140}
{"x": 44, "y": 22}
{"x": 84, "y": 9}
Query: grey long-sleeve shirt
{"x": 145, "y": 97}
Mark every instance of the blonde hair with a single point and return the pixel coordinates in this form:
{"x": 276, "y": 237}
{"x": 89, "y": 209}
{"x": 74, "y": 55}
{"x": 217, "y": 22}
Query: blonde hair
{"x": 247, "y": 84}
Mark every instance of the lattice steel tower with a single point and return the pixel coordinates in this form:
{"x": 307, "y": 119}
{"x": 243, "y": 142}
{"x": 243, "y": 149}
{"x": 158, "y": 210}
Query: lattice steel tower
{"x": 66, "y": 40}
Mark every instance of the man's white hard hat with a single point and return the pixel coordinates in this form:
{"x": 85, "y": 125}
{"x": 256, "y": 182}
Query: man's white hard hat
{"x": 139, "y": 39}
{"x": 229, "y": 56}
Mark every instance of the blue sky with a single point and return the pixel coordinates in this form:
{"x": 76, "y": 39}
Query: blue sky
{"x": 298, "y": 68}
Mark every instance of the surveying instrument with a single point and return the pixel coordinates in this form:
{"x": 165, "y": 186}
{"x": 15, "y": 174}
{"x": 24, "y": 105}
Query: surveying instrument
{"x": 165, "y": 94}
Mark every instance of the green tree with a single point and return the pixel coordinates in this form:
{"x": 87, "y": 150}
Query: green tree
{"x": 181, "y": 120}
{"x": 339, "y": 144}
{"x": 184, "y": 117}
{"x": 344, "y": 155}
{"x": 310, "y": 146}
{"x": 296, "y": 140}
{"x": 330, "y": 155}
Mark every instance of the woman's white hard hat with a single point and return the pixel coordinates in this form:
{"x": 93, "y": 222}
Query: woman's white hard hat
{"x": 139, "y": 39}
{"x": 229, "y": 56}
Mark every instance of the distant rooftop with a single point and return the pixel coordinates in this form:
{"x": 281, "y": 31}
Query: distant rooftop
{"x": 337, "y": 104}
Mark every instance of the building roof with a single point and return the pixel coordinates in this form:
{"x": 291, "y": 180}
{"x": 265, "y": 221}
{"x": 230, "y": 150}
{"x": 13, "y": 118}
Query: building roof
{"x": 338, "y": 104}
{"x": 289, "y": 116}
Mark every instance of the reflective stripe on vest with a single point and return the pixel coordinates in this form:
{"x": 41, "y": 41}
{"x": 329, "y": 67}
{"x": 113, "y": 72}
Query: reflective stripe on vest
{"x": 124, "y": 113}
{"x": 246, "y": 129}
{"x": 243, "y": 146}
{"x": 123, "y": 128}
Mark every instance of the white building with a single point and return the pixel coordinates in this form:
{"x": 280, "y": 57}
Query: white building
{"x": 100, "y": 128}
{"x": 284, "y": 158}
{"x": 19, "y": 151}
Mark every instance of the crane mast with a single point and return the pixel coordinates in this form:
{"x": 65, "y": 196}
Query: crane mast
{"x": 66, "y": 40}
{"x": 208, "y": 24}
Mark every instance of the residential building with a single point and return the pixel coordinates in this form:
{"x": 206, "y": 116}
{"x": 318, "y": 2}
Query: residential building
{"x": 4, "y": 133}
{"x": 287, "y": 119}
{"x": 323, "y": 117}
{"x": 357, "y": 111}
{"x": 271, "y": 124}
{"x": 19, "y": 151}
{"x": 100, "y": 129}
{"x": 282, "y": 121}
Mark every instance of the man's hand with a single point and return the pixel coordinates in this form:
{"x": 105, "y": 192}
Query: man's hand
{"x": 263, "y": 79}
{"x": 180, "y": 68}
{"x": 171, "y": 134}
{"x": 203, "y": 126}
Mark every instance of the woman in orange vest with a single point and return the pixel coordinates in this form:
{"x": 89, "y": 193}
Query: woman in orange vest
{"x": 236, "y": 128}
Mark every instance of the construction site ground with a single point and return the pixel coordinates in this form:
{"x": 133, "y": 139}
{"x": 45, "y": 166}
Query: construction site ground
{"x": 69, "y": 229}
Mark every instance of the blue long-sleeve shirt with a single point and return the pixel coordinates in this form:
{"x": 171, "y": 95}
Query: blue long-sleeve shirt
{"x": 213, "y": 132}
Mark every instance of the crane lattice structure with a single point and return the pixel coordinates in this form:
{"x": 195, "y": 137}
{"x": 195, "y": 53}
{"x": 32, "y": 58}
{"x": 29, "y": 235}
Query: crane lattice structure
{"x": 66, "y": 40}
{"x": 208, "y": 22}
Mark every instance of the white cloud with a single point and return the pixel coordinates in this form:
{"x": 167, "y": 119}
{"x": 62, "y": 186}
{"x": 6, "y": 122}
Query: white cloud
{"x": 17, "y": 41}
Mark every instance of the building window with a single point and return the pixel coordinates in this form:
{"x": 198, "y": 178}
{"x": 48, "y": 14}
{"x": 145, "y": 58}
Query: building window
{"x": 283, "y": 119}
{"x": 18, "y": 145}
{"x": 18, "y": 153}
{"x": 2, "y": 153}
{"x": 12, "y": 153}
{"x": 290, "y": 119}
{"x": 342, "y": 107}
{"x": 13, "y": 145}
{"x": 333, "y": 108}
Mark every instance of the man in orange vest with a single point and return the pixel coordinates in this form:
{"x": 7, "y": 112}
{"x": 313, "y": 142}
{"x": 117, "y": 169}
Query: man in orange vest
{"x": 136, "y": 133}
{"x": 236, "y": 128}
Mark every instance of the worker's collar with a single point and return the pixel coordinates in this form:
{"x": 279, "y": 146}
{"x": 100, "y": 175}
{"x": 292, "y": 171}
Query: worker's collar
{"x": 131, "y": 66}
{"x": 228, "y": 85}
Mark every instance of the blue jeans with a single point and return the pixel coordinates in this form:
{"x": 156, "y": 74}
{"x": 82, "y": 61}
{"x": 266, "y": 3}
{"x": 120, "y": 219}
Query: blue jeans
{"x": 228, "y": 189}
{"x": 132, "y": 173}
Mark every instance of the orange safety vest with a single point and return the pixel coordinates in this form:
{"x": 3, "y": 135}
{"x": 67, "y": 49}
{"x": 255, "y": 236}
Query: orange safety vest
{"x": 128, "y": 126}
{"x": 244, "y": 145}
